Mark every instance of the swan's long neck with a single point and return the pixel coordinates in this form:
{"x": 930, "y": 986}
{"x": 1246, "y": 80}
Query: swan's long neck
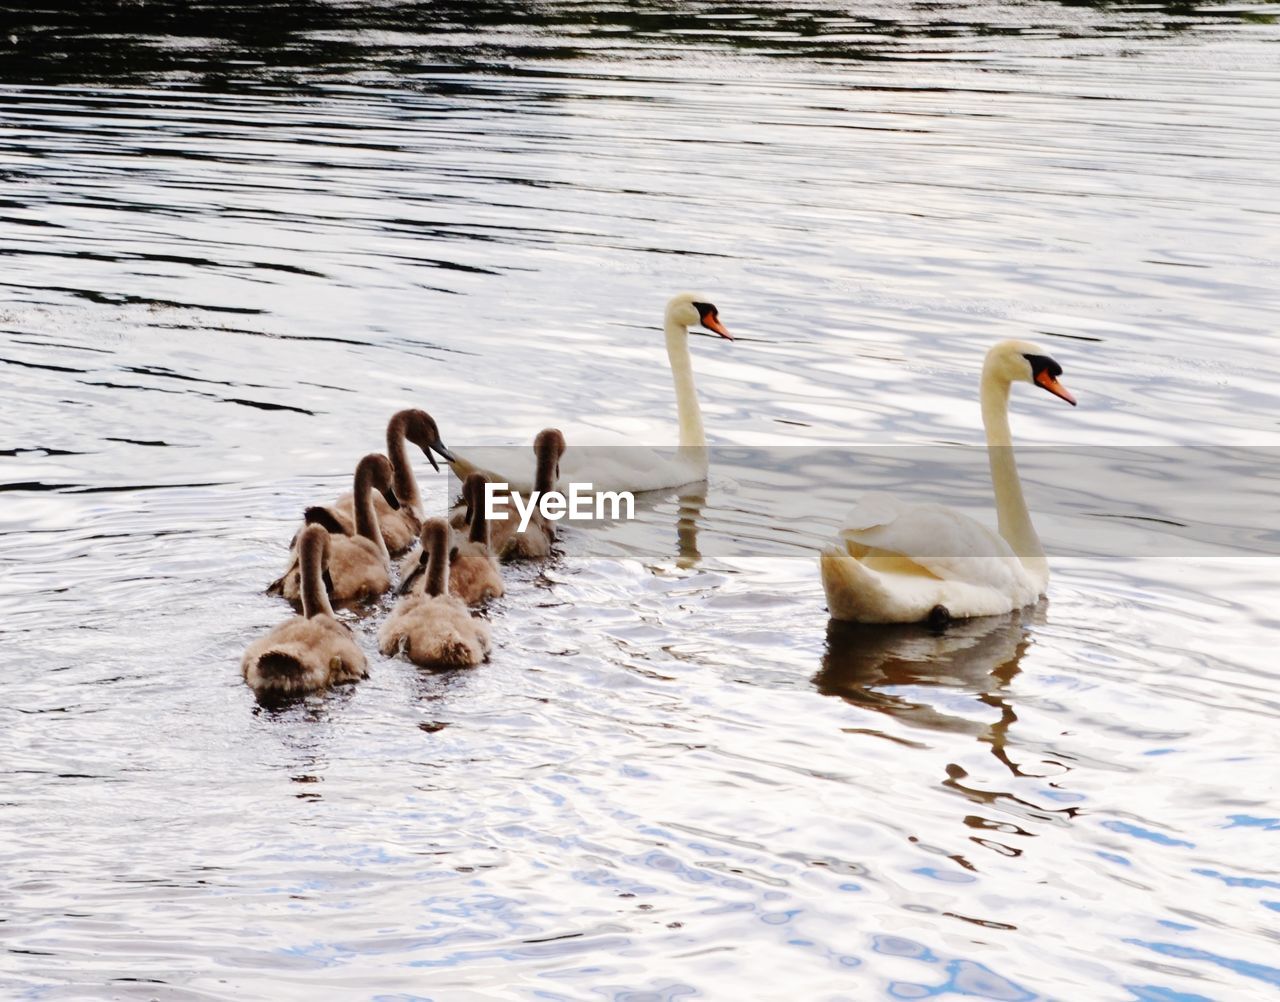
{"x": 406, "y": 484}
{"x": 315, "y": 597}
{"x": 544, "y": 474}
{"x": 1011, "y": 508}
{"x": 692, "y": 435}
{"x": 479, "y": 524}
{"x": 436, "y": 580}
{"x": 366, "y": 514}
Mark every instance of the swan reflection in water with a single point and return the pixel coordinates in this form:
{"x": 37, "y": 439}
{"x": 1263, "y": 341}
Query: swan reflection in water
{"x": 864, "y": 665}
{"x": 692, "y": 499}
{"x": 648, "y": 534}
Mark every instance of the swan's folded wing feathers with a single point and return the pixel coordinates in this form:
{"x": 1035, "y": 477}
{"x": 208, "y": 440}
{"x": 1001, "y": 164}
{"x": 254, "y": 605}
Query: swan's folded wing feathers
{"x": 947, "y": 544}
{"x": 872, "y": 510}
{"x": 616, "y": 466}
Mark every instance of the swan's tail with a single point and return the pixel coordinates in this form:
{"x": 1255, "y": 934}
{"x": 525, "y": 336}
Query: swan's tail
{"x": 855, "y": 593}
{"x": 278, "y": 672}
{"x": 451, "y": 651}
{"x": 456, "y": 651}
{"x": 280, "y": 665}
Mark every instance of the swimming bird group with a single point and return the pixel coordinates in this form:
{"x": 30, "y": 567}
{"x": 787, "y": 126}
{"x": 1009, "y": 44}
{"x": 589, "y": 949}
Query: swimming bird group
{"x": 342, "y": 556}
{"x": 892, "y": 562}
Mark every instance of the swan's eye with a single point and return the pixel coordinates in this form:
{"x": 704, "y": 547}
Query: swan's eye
{"x": 709, "y": 317}
{"x": 1043, "y": 364}
{"x": 1045, "y": 372}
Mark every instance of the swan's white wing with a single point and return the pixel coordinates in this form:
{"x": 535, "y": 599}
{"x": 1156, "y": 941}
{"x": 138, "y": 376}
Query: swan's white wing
{"x": 942, "y": 542}
{"x": 615, "y": 467}
{"x": 634, "y": 468}
{"x": 506, "y": 463}
{"x": 873, "y": 510}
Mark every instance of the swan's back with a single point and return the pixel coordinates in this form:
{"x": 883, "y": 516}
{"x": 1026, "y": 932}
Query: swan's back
{"x": 435, "y": 631}
{"x": 896, "y": 562}
{"x": 359, "y": 571}
{"x": 613, "y": 466}
{"x": 303, "y": 655}
{"x": 474, "y": 576}
{"x": 399, "y": 527}
{"x": 934, "y": 540}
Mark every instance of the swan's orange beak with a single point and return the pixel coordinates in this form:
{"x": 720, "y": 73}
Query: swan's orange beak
{"x": 1051, "y": 384}
{"x": 712, "y": 323}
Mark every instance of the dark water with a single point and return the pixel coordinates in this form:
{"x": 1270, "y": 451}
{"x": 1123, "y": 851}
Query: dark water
{"x": 237, "y": 237}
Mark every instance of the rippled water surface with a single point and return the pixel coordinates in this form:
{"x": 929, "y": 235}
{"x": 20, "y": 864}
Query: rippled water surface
{"x": 236, "y": 238}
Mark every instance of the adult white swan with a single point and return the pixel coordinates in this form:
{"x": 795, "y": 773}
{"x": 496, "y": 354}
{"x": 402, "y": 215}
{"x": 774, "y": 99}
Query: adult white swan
{"x": 622, "y": 466}
{"x": 904, "y": 563}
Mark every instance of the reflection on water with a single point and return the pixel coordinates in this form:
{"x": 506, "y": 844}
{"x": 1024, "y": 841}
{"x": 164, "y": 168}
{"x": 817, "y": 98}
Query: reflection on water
{"x": 692, "y": 500}
{"x": 237, "y": 45}
{"x": 884, "y": 668}
{"x": 237, "y": 237}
